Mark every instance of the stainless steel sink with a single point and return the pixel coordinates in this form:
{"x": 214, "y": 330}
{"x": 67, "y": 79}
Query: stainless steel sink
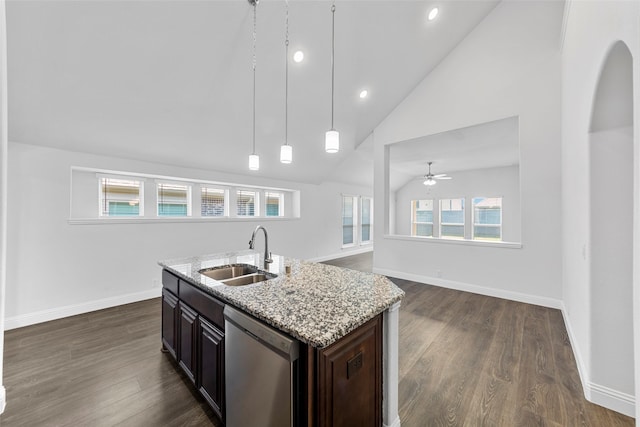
{"x": 248, "y": 279}
{"x": 229, "y": 271}
{"x": 237, "y": 274}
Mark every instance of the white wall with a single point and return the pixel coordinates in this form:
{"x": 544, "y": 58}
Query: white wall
{"x": 508, "y": 66}
{"x": 56, "y": 268}
{"x": 3, "y": 189}
{"x": 493, "y": 182}
{"x": 611, "y": 258}
{"x": 592, "y": 28}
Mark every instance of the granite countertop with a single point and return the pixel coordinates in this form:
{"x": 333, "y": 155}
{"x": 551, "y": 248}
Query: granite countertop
{"x": 315, "y": 303}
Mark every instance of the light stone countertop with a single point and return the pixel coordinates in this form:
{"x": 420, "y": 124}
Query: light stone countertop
{"x": 315, "y": 303}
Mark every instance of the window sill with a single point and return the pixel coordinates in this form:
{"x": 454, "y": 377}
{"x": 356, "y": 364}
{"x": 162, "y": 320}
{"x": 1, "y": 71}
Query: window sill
{"x": 139, "y": 220}
{"x": 463, "y": 242}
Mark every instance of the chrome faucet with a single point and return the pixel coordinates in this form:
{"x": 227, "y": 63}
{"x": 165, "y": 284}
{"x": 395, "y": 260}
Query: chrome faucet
{"x": 267, "y": 254}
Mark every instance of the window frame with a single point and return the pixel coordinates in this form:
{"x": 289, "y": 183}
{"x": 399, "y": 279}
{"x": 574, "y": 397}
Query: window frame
{"x": 189, "y": 199}
{"x": 444, "y": 224}
{"x": 415, "y": 222}
{"x": 225, "y": 194}
{"x": 280, "y": 196}
{"x": 354, "y": 216}
{"x": 473, "y": 220}
{"x": 256, "y": 202}
{"x": 370, "y": 224}
{"x": 101, "y": 196}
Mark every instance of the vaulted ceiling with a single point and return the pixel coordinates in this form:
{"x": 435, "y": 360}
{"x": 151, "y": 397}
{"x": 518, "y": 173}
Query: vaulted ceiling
{"x": 171, "y": 81}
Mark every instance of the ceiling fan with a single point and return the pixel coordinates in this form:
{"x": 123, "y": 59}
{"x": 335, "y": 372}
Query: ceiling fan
{"x": 430, "y": 179}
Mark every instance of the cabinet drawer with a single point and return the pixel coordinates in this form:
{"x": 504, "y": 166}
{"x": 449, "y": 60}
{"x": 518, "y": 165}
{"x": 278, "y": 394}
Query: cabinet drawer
{"x": 170, "y": 282}
{"x": 204, "y": 304}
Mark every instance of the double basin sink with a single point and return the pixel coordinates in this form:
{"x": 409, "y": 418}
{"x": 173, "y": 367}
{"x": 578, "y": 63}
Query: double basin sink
{"x": 237, "y": 274}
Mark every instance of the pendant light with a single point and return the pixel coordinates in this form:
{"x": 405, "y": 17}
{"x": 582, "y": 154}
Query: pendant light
{"x": 286, "y": 151}
{"x": 254, "y": 159}
{"x": 332, "y": 137}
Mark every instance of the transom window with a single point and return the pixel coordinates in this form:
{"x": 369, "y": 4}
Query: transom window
{"x": 274, "y": 202}
{"x": 213, "y": 201}
{"x": 120, "y": 197}
{"x": 246, "y": 204}
{"x": 174, "y": 199}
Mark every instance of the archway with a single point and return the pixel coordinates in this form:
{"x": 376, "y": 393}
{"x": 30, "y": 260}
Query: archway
{"x": 611, "y": 225}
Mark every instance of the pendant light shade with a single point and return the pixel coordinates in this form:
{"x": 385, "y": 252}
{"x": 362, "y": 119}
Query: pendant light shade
{"x": 332, "y": 141}
{"x": 286, "y": 151}
{"x": 254, "y": 159}
{"x": 332, "y": 137}
{"x": 254, "y": 162}
{"x": 286, "y": 154}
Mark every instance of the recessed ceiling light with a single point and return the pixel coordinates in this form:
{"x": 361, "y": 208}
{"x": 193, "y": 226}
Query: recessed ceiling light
{"x": 298, "y": 56}
{"x": 433, "y": 13}
{"x": 364, "y": 93}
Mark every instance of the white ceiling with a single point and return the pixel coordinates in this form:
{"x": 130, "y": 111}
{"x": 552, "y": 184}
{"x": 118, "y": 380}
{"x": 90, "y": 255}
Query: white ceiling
{"x": 486, "y": 145}
{"x": 170, "y": 81}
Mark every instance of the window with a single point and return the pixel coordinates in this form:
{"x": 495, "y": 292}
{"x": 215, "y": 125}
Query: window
{"x": 246, "y": 203}
{"x": 452, "y": 218}
{"x": 274, "y": 202}
{"x": 366, "y": 219}
{"x": 120, "y": 197}
{"x": 422, "y": 218}
{"x": 213, "y": 202}
{"x": 487, "y": 218}
{"x": 349, "y": 204}
{"x": 174, "y": 199}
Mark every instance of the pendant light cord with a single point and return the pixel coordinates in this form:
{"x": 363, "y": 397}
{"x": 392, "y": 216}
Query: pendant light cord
{"x": 333, "y": 36}
{"x": 286, "y": 76}
{"x": 255, "y": 4}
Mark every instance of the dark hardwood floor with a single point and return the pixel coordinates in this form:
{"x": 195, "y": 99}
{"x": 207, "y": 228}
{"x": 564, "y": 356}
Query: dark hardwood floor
{"x": 465, "y": 360}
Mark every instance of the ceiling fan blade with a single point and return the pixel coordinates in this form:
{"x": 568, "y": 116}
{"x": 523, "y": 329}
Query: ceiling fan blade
{"x": 439, "y": 175}
{"x": 444, "y": 177}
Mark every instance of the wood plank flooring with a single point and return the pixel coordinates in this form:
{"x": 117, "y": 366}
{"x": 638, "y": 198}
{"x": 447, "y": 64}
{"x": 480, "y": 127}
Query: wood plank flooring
{"x": 465, "y": 360}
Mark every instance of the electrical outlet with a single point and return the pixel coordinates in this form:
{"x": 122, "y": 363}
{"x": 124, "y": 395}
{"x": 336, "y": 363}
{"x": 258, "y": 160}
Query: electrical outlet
{"x": 439, "y": 274}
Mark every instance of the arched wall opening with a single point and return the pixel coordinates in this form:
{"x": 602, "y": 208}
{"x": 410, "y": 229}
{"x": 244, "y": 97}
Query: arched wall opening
{"x": 611, "y": 224}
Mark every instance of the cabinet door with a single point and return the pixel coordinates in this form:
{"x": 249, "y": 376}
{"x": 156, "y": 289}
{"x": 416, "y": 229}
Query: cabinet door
{"x": 350, "y": 379}
{"x": 169, "y": 322}
{"x": 187, "y": 333}
{"x": 211, "y": 368}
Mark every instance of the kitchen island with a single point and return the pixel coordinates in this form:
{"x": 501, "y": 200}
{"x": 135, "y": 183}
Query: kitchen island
{"x": 334, "y": 313}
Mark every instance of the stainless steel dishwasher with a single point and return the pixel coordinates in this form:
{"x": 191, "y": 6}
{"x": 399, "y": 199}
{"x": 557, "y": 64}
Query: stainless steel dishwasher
{"x": 261, "y": 373}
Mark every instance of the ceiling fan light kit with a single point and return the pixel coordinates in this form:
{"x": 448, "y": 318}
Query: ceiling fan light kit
{"x": 430, "y": 179}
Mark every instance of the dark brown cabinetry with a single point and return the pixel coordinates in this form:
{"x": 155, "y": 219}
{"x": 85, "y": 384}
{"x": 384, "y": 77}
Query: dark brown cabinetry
{"x": 169, "y": 322}
{"x": 340, "y": 385}
{"x": 188, "y": 340}
{"x": 193, "y": 333}
{"x": 349, "y": 380}
{"x": 211, "y": 366}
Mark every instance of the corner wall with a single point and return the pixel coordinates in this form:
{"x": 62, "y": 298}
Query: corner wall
{"x": 3, "y": 189}
{"x": 57, "y": 269}
{"x": 592, "y": 28}
{"x": 508, "y": 66}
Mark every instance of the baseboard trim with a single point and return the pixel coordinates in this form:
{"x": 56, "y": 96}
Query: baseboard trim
{"x": 596, "y": 393}
{"x": 395, "y": 423}
{"x": 3, "y": 398}
{"x": 612, "y": 399}
{"x": 344, "y": 253}
{"x": 74, "y": 309}
{"x": 476, "y": 289}
{"x": 582, "y": 369}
